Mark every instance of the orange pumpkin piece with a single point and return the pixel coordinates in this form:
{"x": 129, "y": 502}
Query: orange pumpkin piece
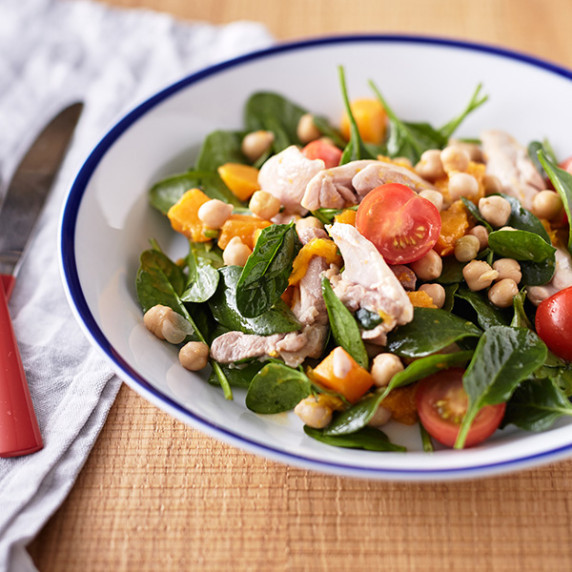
{"x": 454, "y": 225}
{"x": 184, "y": 215}
{"x": 421, "y": 299}
{"x": 401, "y": 403}
{"x": 323, "y": 247}
{"x": 347, "y": 216}
{"x": 371, "y": 120}
{"x": 340, "y": 372}
{"x": 242, "y": 180}
{"x": 246, "y": 227}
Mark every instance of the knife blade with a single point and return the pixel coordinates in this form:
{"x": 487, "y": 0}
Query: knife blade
{"x": 23, "y": 202}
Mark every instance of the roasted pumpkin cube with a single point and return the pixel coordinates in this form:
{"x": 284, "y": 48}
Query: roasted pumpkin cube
{"x": 184, "y": 215}
{"x": 241, "y": 179}
{"x": 246, "y": 227}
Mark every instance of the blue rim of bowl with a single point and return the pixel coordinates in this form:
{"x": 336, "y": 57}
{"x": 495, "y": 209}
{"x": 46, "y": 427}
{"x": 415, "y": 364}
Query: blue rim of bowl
{"x": 80, "y": 306}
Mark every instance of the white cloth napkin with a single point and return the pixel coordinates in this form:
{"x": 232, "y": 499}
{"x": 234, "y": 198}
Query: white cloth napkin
{"x": 52, "y": 53}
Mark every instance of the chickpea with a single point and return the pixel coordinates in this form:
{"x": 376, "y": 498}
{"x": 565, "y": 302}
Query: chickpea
{"x": 194, "y": 355}
{"x": 467, "y": 247}
{"x": 434, "y": 197}
{"x": 436, "y": 293}
{"x": 214, "y": 213}
{"x": 495, "y": 210}
{"x": 502, "y": 293}
{"x": 307, "y": 130}
{"x": 256, "y": 143}
{"x": 236, "y": 252}
{"x": 166, "y": 324}
{"x": 508, "y": 268}
{"x": 482, "y": 234}
{"x": 384, "y": 367}
{"x": 547, "y": 204}
{"x": 455, "y": 158}
{"x": 479, "y": 275}
{"x": 264, "y": 205}
{"x": 430, "y": 167}
{"x": 462, "y": 185}
{"x": 314, "y": 411}
{"x": 492, "y": 185}
{"x": 380, "y": 417}
{"x": 429, "y": 267}
{"x": 308, "y": 222}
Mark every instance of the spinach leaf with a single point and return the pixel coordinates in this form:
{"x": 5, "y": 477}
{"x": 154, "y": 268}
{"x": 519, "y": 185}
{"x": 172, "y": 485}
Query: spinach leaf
{"x": 534, "y": 147}
{"x": 557, "y": 370}
{"x": 278, "y": 319}
{"x": 355, "y": 149}
{"x": 164, "y": 194}
{"x": 367, "y": 438}
{"x": 520, "y": 319}
{"x": 238, "y": 376}
{"x": 159, "y": 281}
{"x": 265, "y": 275}
{"x": 522, "y": 219}
{"x": 450, "y": 291}
{"x": 521, "y": 245}
{"x": 411, "y": 140}
{"x": 426, "y": 439}
{"x": 327, "y": 216}
{"x": 344, "y": 327}
{"x": 359, "y": 415}
{"x": 203, "y": 286}
{"x": 536, "y": 405}
{"x": 488, "y": 315}
{"x": 452, "y": 272}
{"x": 206, "y": 253}
{"x": 276, "y": 388}
{"x": 504, "y": 357}
{"x": 562, "y": 181}
{"x": 366, "y": 319}
{"x": 218, "y": 148}
{"x": 430, "y": 330}
{"x": 476, "y": 213}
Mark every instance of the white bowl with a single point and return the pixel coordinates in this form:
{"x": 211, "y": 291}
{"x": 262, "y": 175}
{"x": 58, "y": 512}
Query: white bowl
{"x": 107, "y": 222}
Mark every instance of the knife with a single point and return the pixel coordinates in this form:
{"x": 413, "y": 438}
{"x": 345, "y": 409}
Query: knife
{"x": 27, "y": 192}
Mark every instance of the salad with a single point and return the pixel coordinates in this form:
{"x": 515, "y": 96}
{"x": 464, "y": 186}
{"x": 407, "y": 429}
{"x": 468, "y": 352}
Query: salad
{"x": 371, "y": 270}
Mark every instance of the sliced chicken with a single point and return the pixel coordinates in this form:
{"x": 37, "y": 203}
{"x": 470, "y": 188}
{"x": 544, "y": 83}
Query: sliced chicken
{"x": 508, "y": 160}
{"x": 562, "y": 278}
{"x": 382, "y": 172}
{"x": 294, "y": 347}
{"x": 368, "y": 282}
{"x": 286, "y": 175}
{"x": 333, "y": 188}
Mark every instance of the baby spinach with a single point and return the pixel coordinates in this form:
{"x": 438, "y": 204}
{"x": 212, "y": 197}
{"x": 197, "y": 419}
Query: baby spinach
{"x": 367, "y": 319}
{"x": 522, "y": 219}
{"x": 218, "y": 148}
{"x": 164, "y": 194}
{"x": 359, "y": 415}
{"x": 557, "y": 370}
{"x": 476, "y": 213}
{"x": 488, "y": 315}
{"x": 430, "y": 330}
{"x": 536, "y": 405}
{"x": 276, "y": 388}
{"x": 356, "y": 148}
{"x": 562, "y": 181}
{"x": 411, "y": 140}
{"x": 452, "y": 272}
{"x": 327, "y": 216}
{"x": 279, "y": 319}
{"x": 238, "y": 376}
{"x": 206, "y": 253}
{"x": 203, "y": 286}
{"x": 367, "y": 438}
{"x": 503, "y": 358}
{"x": 520, "y": 319}
{"x": 265, "y": 275}
{"x": 344, "y": 327}
{"x": 521, "y": 245}
{"x": 534, "y": 147}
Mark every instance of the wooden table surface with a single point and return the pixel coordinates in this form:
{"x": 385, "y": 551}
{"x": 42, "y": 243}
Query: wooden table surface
{"x": 155, "y": 494}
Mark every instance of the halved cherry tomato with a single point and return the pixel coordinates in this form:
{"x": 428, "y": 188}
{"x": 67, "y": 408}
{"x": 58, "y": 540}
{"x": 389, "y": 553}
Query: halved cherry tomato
{"x": 554, "y": 323}
{"x": 442, "y": 403}
{"x": 403, "y": 226}
{"x": 566, "y": 165}
{"x": 320, "y": 149}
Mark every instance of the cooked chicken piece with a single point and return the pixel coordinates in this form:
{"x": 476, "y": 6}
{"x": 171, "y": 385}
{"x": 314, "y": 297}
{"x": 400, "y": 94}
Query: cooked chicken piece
{"x": 507, "y": 160}
{"x": 286, "y": 175}
{"x": 562, "y": 279}
{"x": 368, "y": 282}
{"x": 382, "y": 172}
{"x": 333, "y": 188}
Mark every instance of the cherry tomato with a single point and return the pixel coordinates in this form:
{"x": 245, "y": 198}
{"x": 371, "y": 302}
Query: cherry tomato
{"x": 554, "y": 323}
{"x": 566, "y": 165}
{"x": 403, "y": 226}
{"x": 442, "y": 402}
{"x": 320, "y": 149}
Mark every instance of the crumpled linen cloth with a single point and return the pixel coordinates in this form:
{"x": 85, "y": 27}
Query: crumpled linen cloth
{"x": 53, "y": 52}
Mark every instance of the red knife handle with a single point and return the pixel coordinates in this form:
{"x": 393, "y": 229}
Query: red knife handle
{"x": 19, "y": 430}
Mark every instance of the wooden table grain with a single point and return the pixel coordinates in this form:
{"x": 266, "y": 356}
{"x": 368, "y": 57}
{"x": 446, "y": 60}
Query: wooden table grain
{"x": 157, "y": 495}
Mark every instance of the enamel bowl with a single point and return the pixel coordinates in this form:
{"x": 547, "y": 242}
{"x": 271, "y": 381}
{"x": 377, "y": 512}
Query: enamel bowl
{"x": 424, "y": 79}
